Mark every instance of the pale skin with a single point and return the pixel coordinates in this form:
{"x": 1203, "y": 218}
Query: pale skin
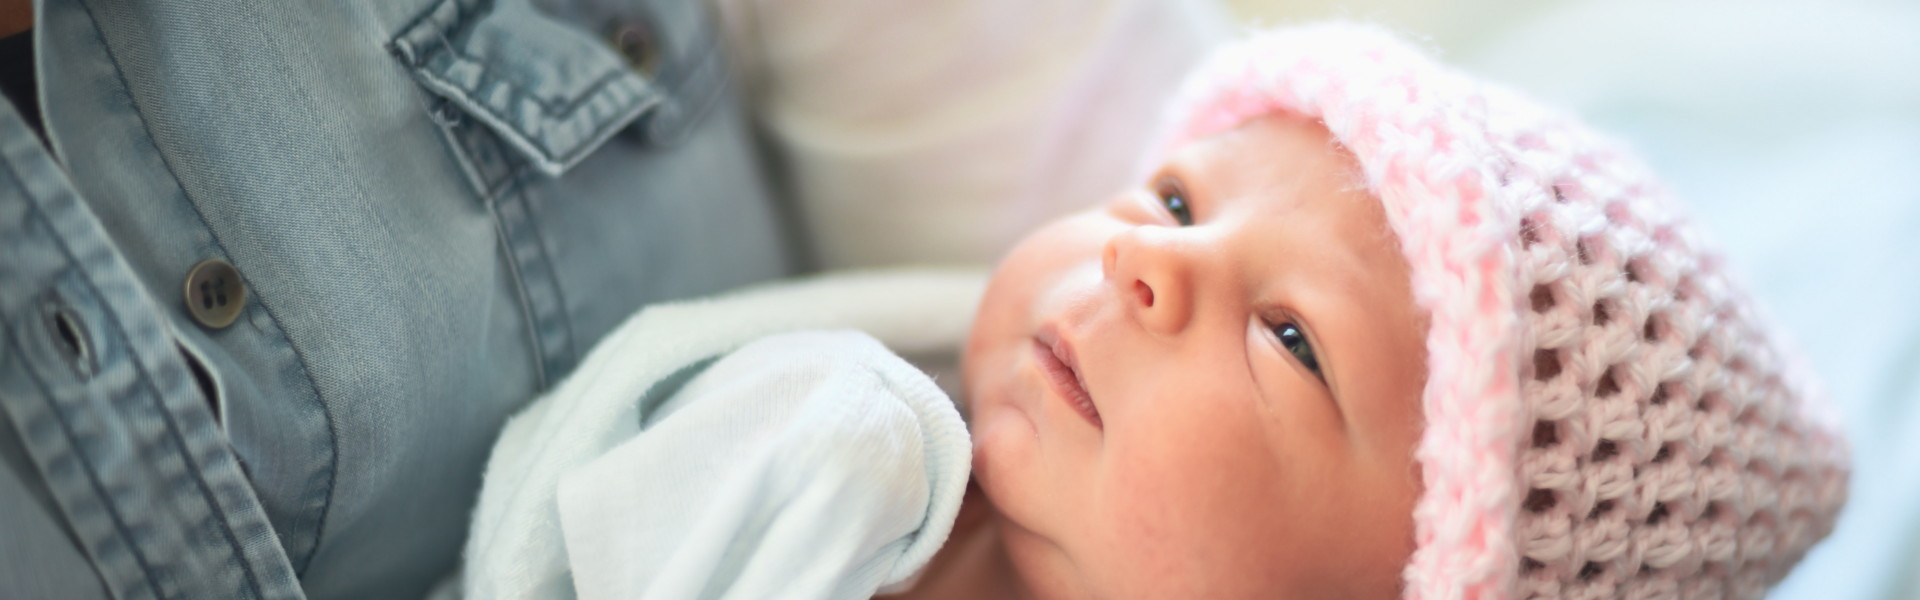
{"x": 1225, "y": 408}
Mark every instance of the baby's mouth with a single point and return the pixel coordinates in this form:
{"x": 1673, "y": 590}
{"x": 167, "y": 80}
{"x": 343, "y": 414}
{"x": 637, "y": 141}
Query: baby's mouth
{"x": 1056, "y": 360}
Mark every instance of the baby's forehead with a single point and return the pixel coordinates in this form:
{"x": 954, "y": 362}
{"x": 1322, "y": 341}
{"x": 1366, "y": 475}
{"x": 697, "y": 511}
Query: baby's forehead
{"x": 1289, "y": 175}
{"x": 1300, "y": 225}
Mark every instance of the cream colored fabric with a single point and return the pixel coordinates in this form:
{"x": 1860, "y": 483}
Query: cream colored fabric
{"x": 941, "y": 131}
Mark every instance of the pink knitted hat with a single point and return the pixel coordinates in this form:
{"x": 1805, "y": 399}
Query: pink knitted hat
{"x": 1606, "y": 416}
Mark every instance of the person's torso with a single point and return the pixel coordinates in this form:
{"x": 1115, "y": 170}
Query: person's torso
{"x": 435, "y": 207}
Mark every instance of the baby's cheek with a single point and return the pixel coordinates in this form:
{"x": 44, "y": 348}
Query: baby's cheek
{"x": 1204, "y": 509}
{"x": 1149, "y": 510}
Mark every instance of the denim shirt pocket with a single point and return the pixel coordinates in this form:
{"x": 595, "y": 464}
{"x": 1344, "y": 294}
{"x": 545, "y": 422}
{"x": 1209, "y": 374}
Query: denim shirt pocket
{"x": 552, "y": 92}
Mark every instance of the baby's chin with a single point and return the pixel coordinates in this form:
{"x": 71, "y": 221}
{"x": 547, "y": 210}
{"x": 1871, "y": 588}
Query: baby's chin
{"x": 1005, "y": 442}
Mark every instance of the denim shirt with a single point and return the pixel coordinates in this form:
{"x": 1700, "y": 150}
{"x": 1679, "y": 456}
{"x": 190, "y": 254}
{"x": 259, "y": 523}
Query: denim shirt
{"x": 434, "y": 208}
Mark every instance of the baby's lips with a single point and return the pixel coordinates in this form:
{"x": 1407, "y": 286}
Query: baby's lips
{"x": 1057, "y": 362}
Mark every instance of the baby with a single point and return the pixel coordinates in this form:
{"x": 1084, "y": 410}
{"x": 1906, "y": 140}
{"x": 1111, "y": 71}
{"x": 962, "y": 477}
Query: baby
{"x": 1210, "y": 388}
{"x": 1369, "y": 330}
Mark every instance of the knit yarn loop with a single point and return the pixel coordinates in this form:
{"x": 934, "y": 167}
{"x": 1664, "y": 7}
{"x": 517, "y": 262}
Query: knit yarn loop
{"x": 1606, "y": 414}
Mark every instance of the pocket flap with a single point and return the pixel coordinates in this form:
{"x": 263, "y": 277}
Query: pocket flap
{"x": 551, "y": 91}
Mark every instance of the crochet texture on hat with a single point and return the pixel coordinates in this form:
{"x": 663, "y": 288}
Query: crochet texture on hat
{"x": 1606, "y": 416}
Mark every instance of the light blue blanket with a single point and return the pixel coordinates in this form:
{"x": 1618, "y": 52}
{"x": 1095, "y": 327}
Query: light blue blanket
{"x": 704, "y": 450}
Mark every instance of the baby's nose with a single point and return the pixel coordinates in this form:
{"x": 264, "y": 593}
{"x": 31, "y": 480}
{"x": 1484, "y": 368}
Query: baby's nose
{"x": 1150, "y": 268}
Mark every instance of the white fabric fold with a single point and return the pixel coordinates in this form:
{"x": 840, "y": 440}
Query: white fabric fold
{"x": 784, "y": 470}
{"x": 803, "y": 465}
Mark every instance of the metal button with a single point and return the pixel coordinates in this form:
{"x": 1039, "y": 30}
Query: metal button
{"x": 635, "y": 41}
{"x": 215, "y": 294}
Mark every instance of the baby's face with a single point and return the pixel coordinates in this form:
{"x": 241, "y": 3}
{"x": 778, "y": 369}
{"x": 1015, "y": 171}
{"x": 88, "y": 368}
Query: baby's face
{"x": 1208, "y": 388}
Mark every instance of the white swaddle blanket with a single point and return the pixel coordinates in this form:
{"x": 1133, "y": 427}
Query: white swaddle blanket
{"x": 808, "y": 465}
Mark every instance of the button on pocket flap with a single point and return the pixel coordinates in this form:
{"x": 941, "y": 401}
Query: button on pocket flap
{"x": 675, "y": 44}
{"x": 551, "y": 91}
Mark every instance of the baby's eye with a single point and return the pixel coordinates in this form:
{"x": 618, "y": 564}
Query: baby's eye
{"x": 1175, "y": 199}
{"x": 1295, "y": 341}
